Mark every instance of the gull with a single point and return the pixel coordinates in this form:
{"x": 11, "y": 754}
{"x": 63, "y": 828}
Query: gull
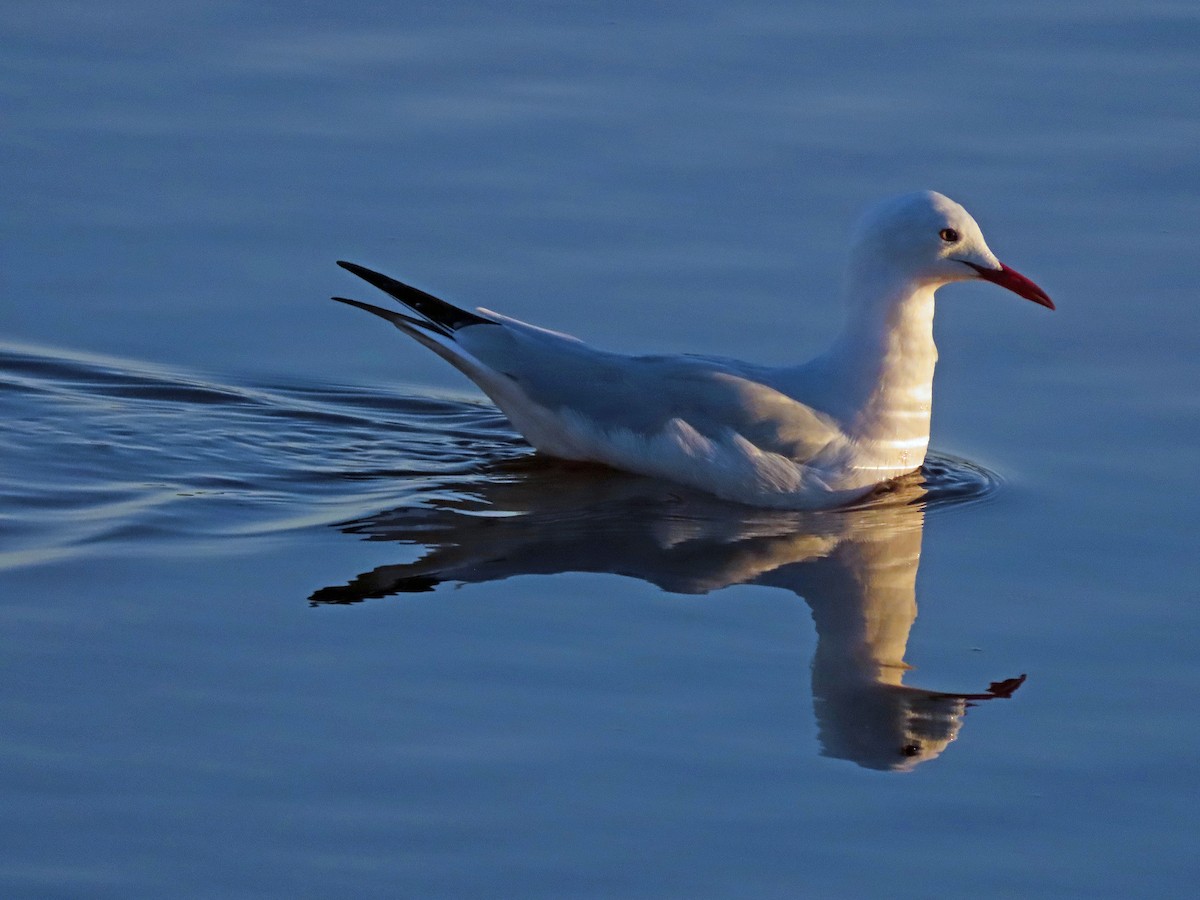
{"x": 812, "y": 436}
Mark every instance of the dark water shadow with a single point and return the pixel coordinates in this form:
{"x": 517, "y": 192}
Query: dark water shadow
{"x": 855, "y": 568}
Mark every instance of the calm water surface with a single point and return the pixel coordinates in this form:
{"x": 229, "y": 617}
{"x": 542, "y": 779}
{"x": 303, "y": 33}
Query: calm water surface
{"x": 286, "y": 609}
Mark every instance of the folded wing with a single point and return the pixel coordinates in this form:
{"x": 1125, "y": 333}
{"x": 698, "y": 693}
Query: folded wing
{"x": 572, "y": 400}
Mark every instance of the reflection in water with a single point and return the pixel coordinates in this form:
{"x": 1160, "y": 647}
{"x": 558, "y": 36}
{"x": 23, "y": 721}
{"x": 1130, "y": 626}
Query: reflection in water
{"x": 855, "y": 568}
{"x": 117, "y": 457}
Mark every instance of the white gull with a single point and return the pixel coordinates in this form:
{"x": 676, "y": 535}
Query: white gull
{"x": 811, "y": 436}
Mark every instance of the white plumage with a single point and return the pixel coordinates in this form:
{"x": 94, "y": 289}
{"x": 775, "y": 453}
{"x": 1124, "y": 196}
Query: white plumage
{"x": 815, "y": 435}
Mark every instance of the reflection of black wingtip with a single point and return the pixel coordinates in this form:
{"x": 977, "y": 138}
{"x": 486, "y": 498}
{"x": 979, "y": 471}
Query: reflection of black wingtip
{"x": 358, "y": 590}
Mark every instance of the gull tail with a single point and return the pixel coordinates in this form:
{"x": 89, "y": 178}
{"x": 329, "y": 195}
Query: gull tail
{"x": 401, "y": 321}
{"x": 438, "y": 315}
{"x": 434, "y": 322}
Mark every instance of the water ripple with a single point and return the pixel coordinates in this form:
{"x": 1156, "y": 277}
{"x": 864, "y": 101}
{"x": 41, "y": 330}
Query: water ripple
{"x": 106, "y": 452}
{"x": 102, "y": 453}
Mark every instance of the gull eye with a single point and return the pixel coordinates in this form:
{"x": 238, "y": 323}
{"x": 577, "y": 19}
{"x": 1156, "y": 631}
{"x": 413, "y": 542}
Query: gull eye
{"x": 949, "y": 235}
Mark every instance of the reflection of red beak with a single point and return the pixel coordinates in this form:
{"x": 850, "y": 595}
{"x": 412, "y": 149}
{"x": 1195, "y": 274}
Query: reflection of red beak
{"x": 1014, "y": 281}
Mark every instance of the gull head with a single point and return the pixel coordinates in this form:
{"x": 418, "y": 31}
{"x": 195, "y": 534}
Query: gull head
{"x": 928, "y": 239}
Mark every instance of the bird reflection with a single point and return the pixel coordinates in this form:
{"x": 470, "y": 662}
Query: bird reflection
{"x": 856, "y": 568}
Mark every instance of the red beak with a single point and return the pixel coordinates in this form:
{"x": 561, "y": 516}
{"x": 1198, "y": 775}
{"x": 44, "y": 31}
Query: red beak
{"x": 1014, "y": 281}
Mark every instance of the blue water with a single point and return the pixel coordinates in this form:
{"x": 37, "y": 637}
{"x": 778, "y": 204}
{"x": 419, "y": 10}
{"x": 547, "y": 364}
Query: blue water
{"x": 286, "y": 609}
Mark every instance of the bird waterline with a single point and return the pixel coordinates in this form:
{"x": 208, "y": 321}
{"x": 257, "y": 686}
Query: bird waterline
{"x": 813, "y": 436}
{"x": 136, "y": 458}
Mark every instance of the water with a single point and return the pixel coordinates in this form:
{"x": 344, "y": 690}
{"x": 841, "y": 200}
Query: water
{"x": 285, "y": 609}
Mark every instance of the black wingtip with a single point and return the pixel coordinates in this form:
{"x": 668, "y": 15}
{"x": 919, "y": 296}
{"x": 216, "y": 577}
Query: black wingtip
{"x": 401, "y": 321}
{"x": 379, "y": 311}
{"x": 444, "y": 315}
